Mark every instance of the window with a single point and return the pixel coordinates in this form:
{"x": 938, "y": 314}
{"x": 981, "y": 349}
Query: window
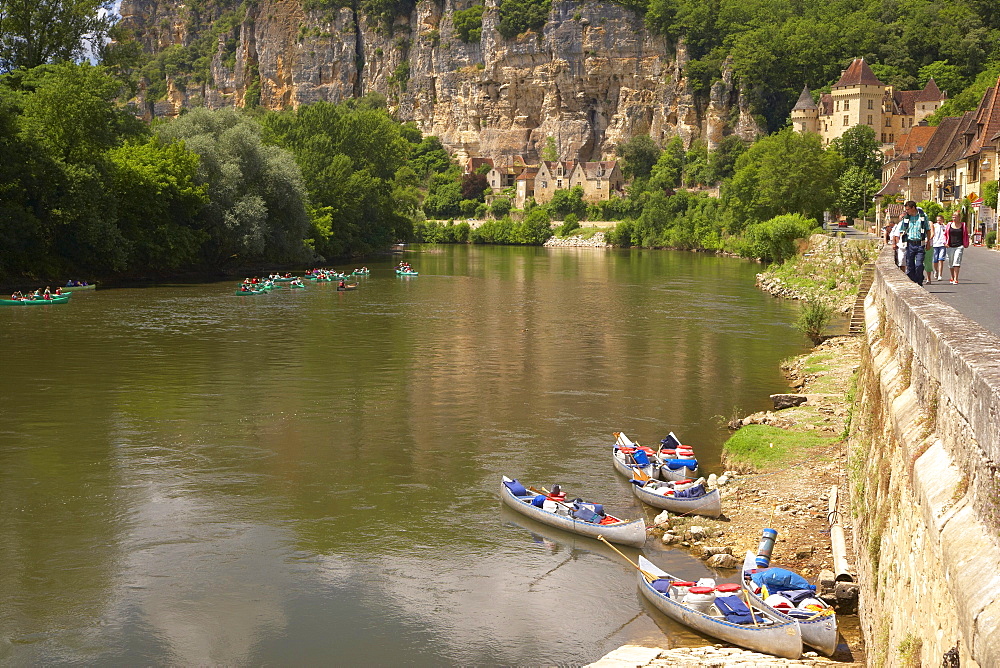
{"x": 545, "y": 184}
{"x": 845, "y": 120}
{"x": 888, "y": 122}
{"x": 911, "y": 122}
{"x": 559, "y": 183}
{"x": 869, "y": 119}
{"x": 837, "y": 107}
{"x": 891, "y": 137}
{"x": 920, "y": 149}
{"x": 870, "y": 102}
{"x": 847, "y": 105}
{"x": 883, "y": 137}
{"x": 598, "y": 184}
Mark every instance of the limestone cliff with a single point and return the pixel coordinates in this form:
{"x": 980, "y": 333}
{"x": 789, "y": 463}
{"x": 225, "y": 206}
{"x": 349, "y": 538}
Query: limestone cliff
{"x": 593, "y": 78}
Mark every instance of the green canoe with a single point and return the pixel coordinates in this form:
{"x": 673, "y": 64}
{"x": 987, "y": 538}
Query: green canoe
{"x": 34, "y": 302}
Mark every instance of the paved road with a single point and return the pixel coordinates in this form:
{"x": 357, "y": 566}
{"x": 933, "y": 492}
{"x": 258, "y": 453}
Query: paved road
{"x": 976, "y": 295}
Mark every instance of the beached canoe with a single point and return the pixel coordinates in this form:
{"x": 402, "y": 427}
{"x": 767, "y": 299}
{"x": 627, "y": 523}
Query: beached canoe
{"x": 626, "y": 456}
{"x": 624, "y": 532}
{"x": 817, "y": 624}
{"x": 78, "y": 288}
{"x": 652, "y": 492}
{"x": 676, "y": 461}
{"x": 720, "y": 614}
{"x": 61, "y": 299}
{"x": 400, "y": 272}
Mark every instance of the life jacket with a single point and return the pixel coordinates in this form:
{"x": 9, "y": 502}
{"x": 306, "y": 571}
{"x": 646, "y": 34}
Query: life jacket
{"x": 560, "y": 497}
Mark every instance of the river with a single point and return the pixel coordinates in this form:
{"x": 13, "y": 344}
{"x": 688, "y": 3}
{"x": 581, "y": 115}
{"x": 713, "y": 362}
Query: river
{"x": 311, "y": 477}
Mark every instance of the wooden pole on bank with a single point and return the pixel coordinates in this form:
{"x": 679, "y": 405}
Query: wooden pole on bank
{"x": 841, "y": 568}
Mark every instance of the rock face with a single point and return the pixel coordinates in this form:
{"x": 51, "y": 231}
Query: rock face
{"x": 594, "y": 76}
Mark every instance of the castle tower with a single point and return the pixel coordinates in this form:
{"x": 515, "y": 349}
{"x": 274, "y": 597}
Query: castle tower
{"x": 805, "y": 113}
{"x": 857, "y": 100}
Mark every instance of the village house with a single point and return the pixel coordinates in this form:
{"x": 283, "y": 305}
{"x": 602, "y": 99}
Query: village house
{"x": 859, "y": 98}
{"x": 524, "y": 186}
{"x": 552, "y": 176}
{"x": 599, "y": 180}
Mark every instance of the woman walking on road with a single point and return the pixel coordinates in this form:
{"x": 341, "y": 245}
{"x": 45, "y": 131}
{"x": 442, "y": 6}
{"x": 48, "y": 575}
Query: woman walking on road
{"x": 958, "y": 241}
{"x": 939, "y": 243}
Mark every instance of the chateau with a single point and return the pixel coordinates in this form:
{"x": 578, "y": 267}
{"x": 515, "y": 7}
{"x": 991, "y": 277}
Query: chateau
{"x": 859, "y": 98}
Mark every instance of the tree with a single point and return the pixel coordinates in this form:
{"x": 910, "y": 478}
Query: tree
{"x": 666, "y": 173}
{"x": 786, "y": 172}
{"x": 856, "y": 190}
{"x": 860, "y": 149}
{"x": 518, "y": 16}
{"x": 35, "y": 32}
{"x": 948, "y": 77}
{"x": 639, "y": 154}
{"x": 568, "y": 202}
{"x": 550, "y": 153}
{"x": 257, "y": 198}
{"x": 473, "y": 186}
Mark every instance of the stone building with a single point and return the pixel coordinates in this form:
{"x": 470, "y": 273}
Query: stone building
{"x": 859, "y": 98}
{"x": 599, "y": 180}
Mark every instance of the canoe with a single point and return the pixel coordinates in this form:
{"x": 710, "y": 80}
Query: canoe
{"x": 297, "y": 285}
{"x": 358, "y": 272}
{"x": 349, "y": 286}
{"x": 625, "y": 532}
{"x": 818, "y": 628}
{"x": 772, "y": 634}
{"x": 709, "y": 505}
{"x": 624, "y": 460}
{"x": 400, "y": 272}
{"x": 284, "y": 279}
{"x": 62, "y": 299}
{"x": 675, "y": 470}
{"x": 77, "y": 288}
{"x": 250, "y": 292}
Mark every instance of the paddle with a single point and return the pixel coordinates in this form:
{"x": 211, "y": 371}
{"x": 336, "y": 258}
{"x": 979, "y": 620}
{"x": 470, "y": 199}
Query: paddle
{"x": 641, "y": 475}
{"x": 649, "y": 577}
{"x": 753, "y": 615}
{"x": 546, "y": 493}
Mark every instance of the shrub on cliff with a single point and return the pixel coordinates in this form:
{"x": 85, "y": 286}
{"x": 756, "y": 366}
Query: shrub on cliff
{"x": 469, "y": 23}
{"x": 519, "y": 16}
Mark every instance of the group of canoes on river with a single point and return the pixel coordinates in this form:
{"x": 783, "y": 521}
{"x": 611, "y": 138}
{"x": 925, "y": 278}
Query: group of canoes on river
{"x": 258, "y": 286}
{"x": 769, "y": 610}
{"x": 38, "y": 297}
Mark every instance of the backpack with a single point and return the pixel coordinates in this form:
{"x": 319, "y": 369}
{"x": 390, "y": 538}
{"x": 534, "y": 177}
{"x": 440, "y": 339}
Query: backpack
{"x": 908, "y": 234}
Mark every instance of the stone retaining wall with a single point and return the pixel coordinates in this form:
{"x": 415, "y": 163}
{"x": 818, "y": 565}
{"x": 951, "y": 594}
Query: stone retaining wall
{"x": 925, "y": 447}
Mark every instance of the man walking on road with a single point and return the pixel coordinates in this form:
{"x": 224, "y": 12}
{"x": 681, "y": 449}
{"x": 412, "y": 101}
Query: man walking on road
{"x": 915, "y": 233}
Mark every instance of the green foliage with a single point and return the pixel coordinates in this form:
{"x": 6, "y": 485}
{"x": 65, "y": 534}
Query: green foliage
{"x": 665, "y": 174}
{"x": 856, "y": 188}
{"x": 500, "y": 207}
{"x": 989, "y": 194}
{"x": 639, "y": 154}
{"x": 860, "y": 149}
{"x": 534, "y": 230}
{"x": 786, "y": 172}
{"x": 442, "y": 233}
{"x": 948, "y": 78}
{"x": 429, "y": 157}
{"x": 469, "y": 23}
{"x": 775, "y": 240}
{"x": 519, "y": 16}
{"x": 814, "y": 316}
{"x": 37, "y": 32}
{"x": 401, "y": 75}
{"x": 567, "y": 202}
{"x": 991, "y": 239}
{"x": 257, "y": 197}
{"x": 570, "y": 224}
{"x": 550, "y": 153}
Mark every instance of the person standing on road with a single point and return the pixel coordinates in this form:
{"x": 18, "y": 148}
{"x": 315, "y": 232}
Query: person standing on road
{"x": 898, "y": 246}
{"x": 958, "y": 241}
{"x": 915, "y": 231}
{"x": 939, "y": 242}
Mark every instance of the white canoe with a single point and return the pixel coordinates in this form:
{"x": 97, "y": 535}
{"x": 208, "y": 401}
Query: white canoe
{"x": 625, "y": 532}
{"x": 819, "y": 630}
{"x": 776, "y": 634}
{"x": 709, "y": 505}
{"x": 624, "y": 463}
{"x": 666, "y": 473}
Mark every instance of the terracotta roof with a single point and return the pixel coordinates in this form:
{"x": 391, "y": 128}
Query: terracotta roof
{"x": 826, "y": 104}
{"x": 858, "y": 73}
{"x": 590, "y": 168}
{"x": 987, "y": 122}
{"x": 897, "y": 182}
{"x": 805, "y": 101}
{"x": 905, "y": 100}
{"x": 528, "y": 174}
{"x": 931, "y": 92}
{"x": 476, "y": 163}
{"x": 941, "y": 145}
{"x": 915, "y": 141}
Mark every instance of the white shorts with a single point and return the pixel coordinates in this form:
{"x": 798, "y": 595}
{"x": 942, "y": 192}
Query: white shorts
{"x": 955, "y": 256}
{"x": 901, "y": 255}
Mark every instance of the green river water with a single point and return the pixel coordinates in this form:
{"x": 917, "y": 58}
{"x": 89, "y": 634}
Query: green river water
{"x": 309, "y": 477}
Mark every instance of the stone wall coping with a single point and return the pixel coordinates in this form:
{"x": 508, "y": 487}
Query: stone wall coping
{"x": 959, "y": 353}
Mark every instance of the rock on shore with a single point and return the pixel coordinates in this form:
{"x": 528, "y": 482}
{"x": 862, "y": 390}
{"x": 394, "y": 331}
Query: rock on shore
{"x": 596, "y": 241}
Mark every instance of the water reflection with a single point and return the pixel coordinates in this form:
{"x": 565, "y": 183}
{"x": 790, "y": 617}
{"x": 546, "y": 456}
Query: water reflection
{"x": 198, "y": 477}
